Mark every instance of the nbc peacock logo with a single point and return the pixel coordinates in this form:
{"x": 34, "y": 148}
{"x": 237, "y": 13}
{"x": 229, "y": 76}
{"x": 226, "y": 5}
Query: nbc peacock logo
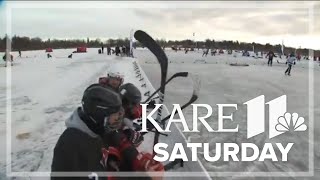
{"x": 290, "y": 122}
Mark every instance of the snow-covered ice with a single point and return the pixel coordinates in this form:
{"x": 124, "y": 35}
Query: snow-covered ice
{"x": 224, "y": 84}
{"x": 46, "y": 91}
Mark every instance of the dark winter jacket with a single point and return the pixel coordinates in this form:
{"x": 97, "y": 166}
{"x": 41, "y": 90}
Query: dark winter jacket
{"x": 78, "y": 149}
{"x": 117, "y": 49}
{"x": 271, "y": 55}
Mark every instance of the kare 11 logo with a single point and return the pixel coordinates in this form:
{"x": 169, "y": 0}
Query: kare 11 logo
{"x": 280, "y": 121}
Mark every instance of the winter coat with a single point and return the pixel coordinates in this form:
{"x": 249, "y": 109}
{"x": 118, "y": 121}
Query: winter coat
{"x": 271, "y": 55}
{"x": 291, "y": 60}
{"x": 78, "y": 149}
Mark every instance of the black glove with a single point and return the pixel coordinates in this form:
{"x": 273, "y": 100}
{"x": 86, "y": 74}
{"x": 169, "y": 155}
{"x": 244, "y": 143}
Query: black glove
{"x": 151, "y": 104}
{"x": 133, "y": 136}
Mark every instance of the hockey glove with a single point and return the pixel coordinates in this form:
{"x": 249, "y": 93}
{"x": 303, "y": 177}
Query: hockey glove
{"x": 134, "y": 137}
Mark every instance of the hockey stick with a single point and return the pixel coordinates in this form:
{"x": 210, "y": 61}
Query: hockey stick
{"x": 162, "y": 122}
{"x": 194, "y": 97}
{"x": 280, "y": 62}
{"x": 148, "y": 42}
{"x": 179, "y": 74}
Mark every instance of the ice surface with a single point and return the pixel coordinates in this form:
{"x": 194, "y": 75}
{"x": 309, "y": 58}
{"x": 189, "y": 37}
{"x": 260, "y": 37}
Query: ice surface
{"x": 46, "y": 91}
{"x": 223, "y": 84}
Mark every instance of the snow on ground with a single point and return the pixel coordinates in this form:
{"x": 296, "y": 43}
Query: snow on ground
{"x": 46, "y": 91}
{"x": 223, "y": 84}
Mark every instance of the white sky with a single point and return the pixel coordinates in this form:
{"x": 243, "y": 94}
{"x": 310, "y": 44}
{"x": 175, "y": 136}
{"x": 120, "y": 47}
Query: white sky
{"x": 262, "y": 22}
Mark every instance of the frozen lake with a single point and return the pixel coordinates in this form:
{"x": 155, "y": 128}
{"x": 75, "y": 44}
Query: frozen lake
{"x": 224, "y": 84}
{"x": 45, "y": 92}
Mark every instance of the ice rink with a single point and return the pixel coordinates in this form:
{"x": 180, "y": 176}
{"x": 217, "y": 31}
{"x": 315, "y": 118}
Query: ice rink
{"x": 46, "y": 91}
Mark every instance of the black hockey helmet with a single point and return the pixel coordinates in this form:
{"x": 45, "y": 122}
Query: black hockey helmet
{"x": 131, "y": 98}
{"x": 130, "y": 93}
{"x": 99, "y": 102}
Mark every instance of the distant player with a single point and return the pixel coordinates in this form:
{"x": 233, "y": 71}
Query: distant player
{"x": 205, "y": 52}
{"x": 299, "y": 57}
{"x": 123, "y": 51}
{"x": 290, "y": 61}
{"x": 213, "y": 52}
{"x": 6, "y": 57}
{"x": 117, "y": 50}
{"x": 270, "y": 55}
{"x": 108, "y": 50}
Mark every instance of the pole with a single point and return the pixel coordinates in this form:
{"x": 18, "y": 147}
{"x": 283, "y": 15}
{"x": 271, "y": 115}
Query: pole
{"x": 282, "y": 48}
{"x": 131, "y": 43}
{"x": 194, "y": 41}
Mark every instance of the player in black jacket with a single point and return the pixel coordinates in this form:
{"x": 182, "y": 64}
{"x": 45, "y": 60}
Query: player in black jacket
{"x": 88, "y": 144}
{"x": 79, "y": 148}
{"x": 270, "y": 55}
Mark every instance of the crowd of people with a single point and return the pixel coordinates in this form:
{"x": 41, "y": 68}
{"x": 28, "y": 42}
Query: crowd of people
{"x": 99, "y": 135}
{"x": 118, "y": 51}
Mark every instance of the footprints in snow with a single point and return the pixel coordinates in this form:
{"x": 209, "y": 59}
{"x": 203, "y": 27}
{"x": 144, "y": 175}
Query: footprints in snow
{"x": 28, "y": 160}
{"x": 16, "y": 102}
{"x": 20, "y": 101}
{"x": 64, "y": 109}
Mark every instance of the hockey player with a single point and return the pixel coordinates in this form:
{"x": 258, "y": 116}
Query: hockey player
{"x": 205, "y": 52}
{"x": 123, "y": 51}
{"x": 108, "y": 50}
{"x": 270, "y": 55}
{"x": 117, "y": 50}
{"x": 131, "y": 98}
{"x": 82, "y": 146}
{"x": 290, "y": 61}
{"x": 6, "y": 57}
{"x": 113, "y": 80}
{"x": 213, "y": 52}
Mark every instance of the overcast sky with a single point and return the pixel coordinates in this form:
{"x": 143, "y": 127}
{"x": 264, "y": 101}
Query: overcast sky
{"x": 262, "y": 22}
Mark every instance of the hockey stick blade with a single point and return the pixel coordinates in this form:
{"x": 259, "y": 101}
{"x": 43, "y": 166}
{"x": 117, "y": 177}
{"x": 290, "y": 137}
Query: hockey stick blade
{"x": 172, "y": 164}
{"x": 192, "y": 100}
{"x": 148, "y": 42}
{"x": 179, "y": 74}
{"x": 194, "y": 97}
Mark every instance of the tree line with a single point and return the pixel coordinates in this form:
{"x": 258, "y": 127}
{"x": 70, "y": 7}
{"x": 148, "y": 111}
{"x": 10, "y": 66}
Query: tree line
{"x": 26, "y": 43}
